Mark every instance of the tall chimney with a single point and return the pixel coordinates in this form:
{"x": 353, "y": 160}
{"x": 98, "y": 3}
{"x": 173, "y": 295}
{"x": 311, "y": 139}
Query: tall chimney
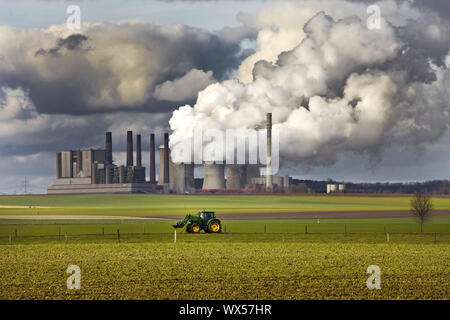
{"x": 166, "y": 159}
{"x": 152, "y": 159}
{"x": 269, "y": 153}
{"x": 129, "y": 148}
{"x": 108, "y": 147}
{"x": 138, "y": 151}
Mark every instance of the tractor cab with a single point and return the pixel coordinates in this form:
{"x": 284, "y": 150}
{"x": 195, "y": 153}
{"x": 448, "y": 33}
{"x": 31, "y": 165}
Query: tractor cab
{"x": 206, "y": 216}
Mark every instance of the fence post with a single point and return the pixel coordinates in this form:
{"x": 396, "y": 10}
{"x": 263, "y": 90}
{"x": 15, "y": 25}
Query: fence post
{"x": 282, "y": 237}
{"x": 66, "y": 237}
{"x": 10, "y": 238}
{"x": 175, "y": 236}
{"x": 118, "y": 235}
{"x": 387, "y": 237}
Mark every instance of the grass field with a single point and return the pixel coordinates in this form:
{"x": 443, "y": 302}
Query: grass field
{"x": 253, "y": 259}
{"x": 23, "y": 228}
{"x": 148, "y": 205}
{"x": 217, "y": 270}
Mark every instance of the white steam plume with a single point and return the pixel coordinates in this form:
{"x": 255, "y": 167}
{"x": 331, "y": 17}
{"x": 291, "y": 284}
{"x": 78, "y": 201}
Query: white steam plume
{"x": 343, "y": 87}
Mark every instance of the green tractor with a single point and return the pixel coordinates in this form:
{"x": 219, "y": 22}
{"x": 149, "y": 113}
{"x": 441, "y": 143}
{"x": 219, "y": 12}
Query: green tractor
{"x": 205, "y": 220}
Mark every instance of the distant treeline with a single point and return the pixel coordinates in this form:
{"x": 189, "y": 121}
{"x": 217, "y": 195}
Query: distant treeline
{"x": 434, "y": 186}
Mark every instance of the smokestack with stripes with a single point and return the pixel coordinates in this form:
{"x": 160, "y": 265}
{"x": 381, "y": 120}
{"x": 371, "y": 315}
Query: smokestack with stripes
{"x": 269, "y": 184}
{"x": 138, "y": 151}
{"x": 129, "y": 148}
{"x": 166, "y": 162}
{"x": 152, "y": 159}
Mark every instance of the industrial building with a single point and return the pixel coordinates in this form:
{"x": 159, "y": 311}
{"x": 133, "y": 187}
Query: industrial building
{"x": 94, "y": 171}
{"x": 335, "y": 188}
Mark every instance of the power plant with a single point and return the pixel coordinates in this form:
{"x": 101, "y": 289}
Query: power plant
{"x": 94, "y": 171}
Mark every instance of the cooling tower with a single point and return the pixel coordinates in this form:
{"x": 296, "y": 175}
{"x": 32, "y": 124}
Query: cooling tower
{"x": 214, "y": 176}
{"x": 138, "y": 151}
{"x": 129, "y": 148}
{"x": 252, "y": 172}
{"x": 108, "y": 147}
{"x": 269, "y": 182}
{"x": 236, "y": 176}
{"x": 182, "y": 177}
{"x": 152, "y": 159}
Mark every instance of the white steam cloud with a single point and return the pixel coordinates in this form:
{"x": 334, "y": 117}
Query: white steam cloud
{"x": 340, "y": 87}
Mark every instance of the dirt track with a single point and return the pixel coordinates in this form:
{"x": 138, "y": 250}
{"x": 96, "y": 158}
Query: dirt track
{"x": 73, "y": 217}
{"x": 321, "y": 214}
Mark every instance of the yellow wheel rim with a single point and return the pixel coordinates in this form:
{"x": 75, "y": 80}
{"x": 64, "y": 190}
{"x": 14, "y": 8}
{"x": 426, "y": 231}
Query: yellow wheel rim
{"x": 196, "y": 229}
{"x": 215, "y": 226}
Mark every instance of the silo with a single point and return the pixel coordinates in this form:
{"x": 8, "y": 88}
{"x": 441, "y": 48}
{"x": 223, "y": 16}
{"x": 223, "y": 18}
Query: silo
{"x": 341, "y": 187}
{"x": 236, "y": 176}
{"x": 214, "y": 176}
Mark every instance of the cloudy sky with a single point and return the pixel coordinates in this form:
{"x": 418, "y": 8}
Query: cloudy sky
{"x": 353, "y": 102}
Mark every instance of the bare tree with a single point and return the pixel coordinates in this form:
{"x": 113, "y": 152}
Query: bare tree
{"x": 421, "y": 207}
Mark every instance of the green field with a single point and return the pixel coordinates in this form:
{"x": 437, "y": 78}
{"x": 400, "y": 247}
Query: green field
{"x": 24, "y": 228}
{"x": 221, "y": 270}
{"x": 251, "y": 259}
{"x": 148, "y": 205}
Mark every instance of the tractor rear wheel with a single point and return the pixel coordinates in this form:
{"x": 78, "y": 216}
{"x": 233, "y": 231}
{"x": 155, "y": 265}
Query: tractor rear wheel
{"x": 214, "y": 226}
{"x": 195, "y": 228}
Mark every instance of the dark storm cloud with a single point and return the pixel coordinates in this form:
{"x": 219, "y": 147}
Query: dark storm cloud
{"x": 72, "y": 42}
{"x": 112, "y": 67}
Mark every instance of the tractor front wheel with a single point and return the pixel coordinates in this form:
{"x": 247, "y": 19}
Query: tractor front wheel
{"x": 214, "y": 226}
{"x": 189, "y": 228}
{"x": 195, "y": 228}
